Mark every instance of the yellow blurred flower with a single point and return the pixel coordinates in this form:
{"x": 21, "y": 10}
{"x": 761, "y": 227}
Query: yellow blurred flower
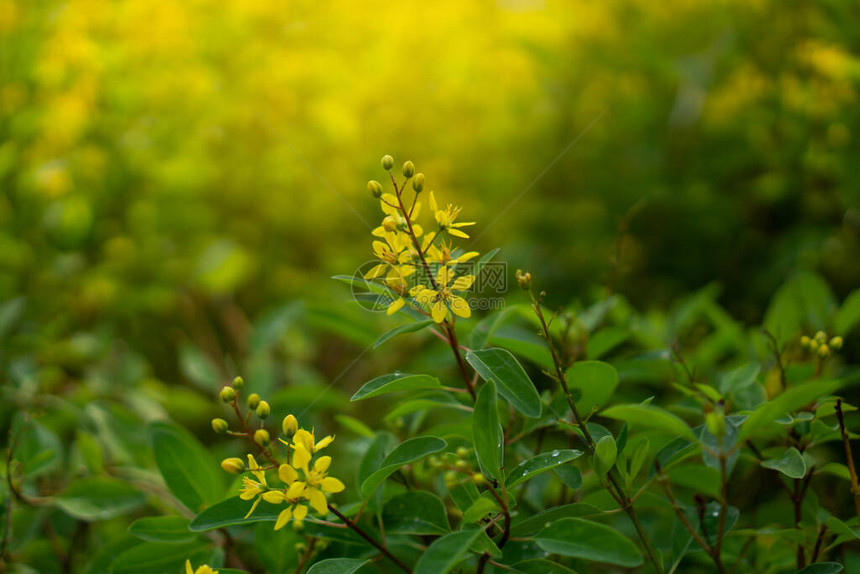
{"x": 444, "y": 300}
{"x": 446, "y": 217}
{"x": 203, "y": 569}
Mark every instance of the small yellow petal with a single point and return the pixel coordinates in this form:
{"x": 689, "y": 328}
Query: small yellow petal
{"x": 301, "y": 456}
{"x": 416, "y": 210}
{"x": 296, "y": 490}
{"x": 457, "y": 233}
{"x": 317, "y": 500}
{"x": 331, "y": 484}
{"x": 188, "y": 569}
{"x": 376, "y": 272}
{"x": 287, "y": 474}
{"x": 253, "y": 507}
{"x": 303, "y": 437}
{"x": 274, "y": 496}
{"x": 324, "y": 443}
{"x": 300, "y": 512}
{"x": 466, "y": 257}
{"x": 460, "y": 307}
{"x": 395, "y": 306}
{"x": 433, "y": 205}
{"x": 439, "y": 311}
{"x": 463, "y": 283}
{"x": 284, "y": 517}
{"x": 322, "y": 463}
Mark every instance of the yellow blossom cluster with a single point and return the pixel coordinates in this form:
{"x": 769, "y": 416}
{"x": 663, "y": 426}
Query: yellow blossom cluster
{"x": 414, "y": 264}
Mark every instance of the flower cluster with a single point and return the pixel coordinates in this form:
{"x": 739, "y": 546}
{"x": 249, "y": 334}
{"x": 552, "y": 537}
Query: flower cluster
{"x": 414, "y": 265}
{"x": 820, "y": 345}
{"x": 302, "y": 476}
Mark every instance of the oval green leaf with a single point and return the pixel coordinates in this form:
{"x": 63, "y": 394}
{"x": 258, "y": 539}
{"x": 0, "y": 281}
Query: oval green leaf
{"x": 541, "y": 463}
{"x": 170, "y": 529}
{"x": 589, "y": 540}
{"x": 96, "y": 498}
{"x": 534, "y": 524}
{"x": 487, "y": 431}
{"x": 502, "y": 367}
{"x": 160, "y": 557}
{"x": 401, "y": 330}
{"x": 651, "y": 416}
{"x": 404, "y": 453}
{"x": 822, "y": 568}
{"x": 395, "y": 382}
{"x": 337, "y": 566}
{"x": 188, "y": 469}
{"x": 415, "y": 512}
{"x": 231, "y": 512}
{"x": 592, "y": 383}
{"x": 791, "y": 463}
{"x": 446, "y": 552}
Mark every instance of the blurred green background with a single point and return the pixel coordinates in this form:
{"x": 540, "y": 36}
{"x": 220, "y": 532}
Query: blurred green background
{"x": 180, "y": 176}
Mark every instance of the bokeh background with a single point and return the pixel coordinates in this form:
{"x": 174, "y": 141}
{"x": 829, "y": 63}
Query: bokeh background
{"x": 180, "y": 179}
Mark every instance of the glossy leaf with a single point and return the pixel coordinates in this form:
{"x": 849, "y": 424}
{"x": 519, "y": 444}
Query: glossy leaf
{"x": 401, "y": 330}
{"x": 605, "y": 453}
{"x": 160, "y": 557}
{"x": 541, "y": 463}
{"x": 789, "y": 401}
{"x": 539, "y": 566}
{"x": 99, "y": 498}
{"x": 589, "y": 540}
{"x": 231, "y": 512}
{"x": 337, "y": 566}
{"x": 822, "y": 568}
{"x": 415, "y": 512}
{"x": 651, "y": 416}
{"x": 170, "y": 529}
{"x": 791, "y": 463}
{"x": 501, "y": 367}
{"x": 592, "y": 384}
{"x": 487, "y": 431}
{"x": 186, "y": 466}
{"x": 446, "y": 552}
{"x": 395, "y": 382}
{"x": 533, "y": 524}
{"x": 740, "y": 378}
{"x": 404, "y": 453}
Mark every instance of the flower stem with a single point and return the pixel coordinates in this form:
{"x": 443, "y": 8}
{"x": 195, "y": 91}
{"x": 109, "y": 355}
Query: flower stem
{"x": 360, "y": 531}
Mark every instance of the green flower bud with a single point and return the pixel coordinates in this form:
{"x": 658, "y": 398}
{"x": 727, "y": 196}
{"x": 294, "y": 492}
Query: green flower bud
{"x": 821, "y": 336}
{"x": 290, "y": 425}
{"x": 261, "y": 437}
{"x": 823, "y": 351}
{"x": 450, "y": 478}
{"x": 253, "y": 401}
{"x": 524, "y": 279}
{"x": 298, "y": 525}
{"x": 387, "y": 162}
{"x": 804, "y": 341}
{"x": 219, "y": 425}
{"x": 836, "y": 343}
{"x": 227, "y": 394}
{"x": 264, "y": 410}
{"x": 478, "y": 478}
{"x": 408, "y": 169}
{"x": 233, "y": 465}
{"x": 461, "y": 464}
{"x": 813, "y": 344}
{"x": 375, "y": 188}
{"x": 300, "y": 547}
{"x": 715, "y": 421}
{"x": 462, "y": 452}
{"x": 418, "y": 183}
{"x": 238, "y": 383}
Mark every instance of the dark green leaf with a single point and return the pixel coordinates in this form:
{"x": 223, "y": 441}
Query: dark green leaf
{"x": 651, "y": 416}
{"x": 232, "y": 512}
{"x": 446, "y": 552}
{"x": 160, "y": 557}
{"x": 541, "y": 463}
{"x": 395, "y": 382}
{"x": 514, "y": 385}
{"x": 589, "y": 540}
{"x": 402, "y": 329}
{"x": 791, "y": 463}
{"x": 170, "y": 529}
{"x": 99, "y": 498}
{"x": 188, "y": 469}
{"x": 487, "y": 431}
{"x": 533, "y": 524}
{"x": 592, "y": 384}
{"x": 541, "y": 567}
{"x": 605, "y": 453}
{"x": 739, "y": 379}
{"x": 822, "y": 568}
{"x": 789, "y": 401}
{"x": 404, "y": 453}
{"x": 337, "y": 566}
{"x": 415, "y": 512}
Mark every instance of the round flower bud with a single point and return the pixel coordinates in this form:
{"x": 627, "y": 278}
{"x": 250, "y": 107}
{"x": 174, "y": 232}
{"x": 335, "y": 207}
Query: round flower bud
{"x": 219, "y": 425}
{"x": 804, "y": 341}
{"x": 461, "y": 464}
{"x": 298, "y": 525}
{"x": 264, "y": 410}
{"x": 238, "y": 383}
{"x": 253, "y": 401}
{"x": 462, "y": 451}
{"x": 375, "y": 188}
{"x": 387, "y": 162}
{"x": 418, "y": 183}
{"x": 823, "y": 351}
{"x": 300, "y": 547}
{"x": 524, "y": 279}
{"x": 389, "y": 223}
{"x": 261, "y": 437}
{"x": 821, "y": 336}
{"x": 450, "y": 478}
{"x": 408, "y": 169}
{"x": 233, "y": 465}
{"x": 813, "y": 344}
{"x": 478, "y": 478}
{"x": 836, "y": 343}
{"x": 715, "y": 421}
{"x": 290, "y": 425}
{"x": 227, "y": 394}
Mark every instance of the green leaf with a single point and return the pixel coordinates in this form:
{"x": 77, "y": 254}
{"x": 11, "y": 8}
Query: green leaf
{"x": 697, "y": 477}
{"x": 740, "y": 378}
{"x": 160, "y": 557}
{"x": 605, "y": 451}
{"x": 198, "y": 368}
{"x": 446, "y": 552}
{"x": 395, "y": 382}
{"x": 805, "y": 300}
{"x": 541, "y": 463}
{"x": 97, "y": 498}
{"x": 592, "y": 384}
{"x": 791, "y": 463}
{"x": 651, "y": 416}
{"x": 789, "y": 401}
{"x": 170, "y": 529}
{"x": 337, "y": 566}
{"x": 848, "y": 315}
{"x": 602, "y": 342}
{"x": 231, "y": 512}
{"x": 415, "y": 512}
{"x": 540, "y": 566}
{"x": 589, "y": 540}
{"x": 822, "y": 568}
{"x": 487, "y": 431}
{"x": 188, "y": 469}
{"x": 354, "y": 425}
{"x": 276, "y": 549}
{"x": 501, "y": 367}
{"x": 522, "y": 528}
{"x": 639, "y": 456}
{"x": 404, "y": 453}
{"x": 480, "y": 508}
{"x": 402, "y": 329}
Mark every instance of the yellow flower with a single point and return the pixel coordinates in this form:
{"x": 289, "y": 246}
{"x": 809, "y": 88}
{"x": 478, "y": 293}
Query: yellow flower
{"x": 317, "y": 484}
{"x": 394, "y": 256}
{"x": 306, "y": 439}
{"x": 258, "y": 489}
{"x": 446, "y": 217}
{"x": 443, "y": 254}
{"x": 395, "y": 220}
{"x": 204, "y": 569}
{"x": 440, "y": 301}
